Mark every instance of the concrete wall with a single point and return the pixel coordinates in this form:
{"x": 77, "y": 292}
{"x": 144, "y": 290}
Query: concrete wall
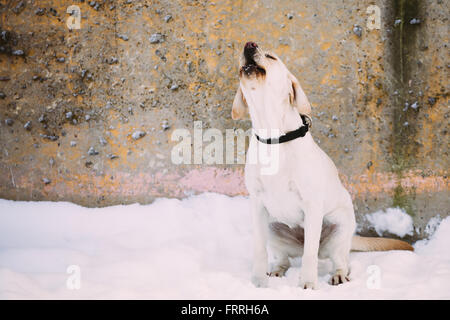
{"x": 95, "y": 86}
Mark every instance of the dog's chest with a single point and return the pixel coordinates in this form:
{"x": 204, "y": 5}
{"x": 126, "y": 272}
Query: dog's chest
{"x": 282, "y": 199}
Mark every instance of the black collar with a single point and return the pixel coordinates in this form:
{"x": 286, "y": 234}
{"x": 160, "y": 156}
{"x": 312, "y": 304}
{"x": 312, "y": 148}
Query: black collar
{"x": 291, "y": 135}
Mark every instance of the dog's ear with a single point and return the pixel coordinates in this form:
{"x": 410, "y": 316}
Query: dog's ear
{"x": 299, "y": 99}
{"x": 240, "y": 107}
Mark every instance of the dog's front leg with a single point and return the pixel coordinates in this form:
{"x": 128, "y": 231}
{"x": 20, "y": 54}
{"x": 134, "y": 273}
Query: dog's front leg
{"x": 260, "y": 231}
{"x": 313, "y": 229}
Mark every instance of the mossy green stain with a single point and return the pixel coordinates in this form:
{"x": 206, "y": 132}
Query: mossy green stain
{"x": 402, "y": 53}
{"x": 404, "y": 199}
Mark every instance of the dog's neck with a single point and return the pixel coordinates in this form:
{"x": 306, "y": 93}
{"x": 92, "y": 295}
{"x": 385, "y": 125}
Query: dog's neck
{"x": 273, "y": 122}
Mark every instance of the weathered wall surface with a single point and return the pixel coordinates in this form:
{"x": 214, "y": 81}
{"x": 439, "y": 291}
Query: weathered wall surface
{"x": 380, "y": 97}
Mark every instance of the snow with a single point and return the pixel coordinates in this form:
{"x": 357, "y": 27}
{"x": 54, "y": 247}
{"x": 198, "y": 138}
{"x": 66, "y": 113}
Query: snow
{"x": 432, "y": 225}
{"x": 393, "y": 220}
{"x": 197, "y": 248}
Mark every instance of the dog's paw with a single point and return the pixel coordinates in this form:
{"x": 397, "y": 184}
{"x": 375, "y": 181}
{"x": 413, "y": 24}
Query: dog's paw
{"x": 260, "y": 281}
{"x": 308, "y": 278}
{"x": 339, "y": 277}
{"x": 308, "y": 285}
{"x": 277, "y": 271}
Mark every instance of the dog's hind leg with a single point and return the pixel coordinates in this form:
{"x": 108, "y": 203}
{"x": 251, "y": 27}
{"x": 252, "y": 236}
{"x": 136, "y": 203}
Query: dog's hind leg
{"x": 281, "y": 263}
{"x": 284, "y": 242}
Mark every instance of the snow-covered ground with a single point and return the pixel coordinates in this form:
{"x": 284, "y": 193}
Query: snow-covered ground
{"x": 197, "y": 248}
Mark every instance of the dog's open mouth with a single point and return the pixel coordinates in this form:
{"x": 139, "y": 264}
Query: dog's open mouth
{"x": 251, "y": 66}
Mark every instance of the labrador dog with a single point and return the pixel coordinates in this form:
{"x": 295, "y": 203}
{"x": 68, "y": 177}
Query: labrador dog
{"x": 303, "y": 209}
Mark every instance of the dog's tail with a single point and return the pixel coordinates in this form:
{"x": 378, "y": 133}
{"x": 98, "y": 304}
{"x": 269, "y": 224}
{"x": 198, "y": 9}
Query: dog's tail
{"x": 378, "y": 244}
{"x": 294, "y": 237}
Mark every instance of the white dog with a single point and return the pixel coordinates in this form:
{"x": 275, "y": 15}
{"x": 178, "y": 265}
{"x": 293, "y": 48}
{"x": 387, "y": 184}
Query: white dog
{"x": 303, "y": 209}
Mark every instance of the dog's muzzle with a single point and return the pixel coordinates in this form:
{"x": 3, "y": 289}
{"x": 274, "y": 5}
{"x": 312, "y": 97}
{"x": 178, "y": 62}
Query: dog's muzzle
{"x": 251, "y": 67}
{"x": 249, "y": 52}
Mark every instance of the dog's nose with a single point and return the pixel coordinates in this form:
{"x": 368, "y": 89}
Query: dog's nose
{"x": 250, "y": 45}
{"x": 249, "y": 51}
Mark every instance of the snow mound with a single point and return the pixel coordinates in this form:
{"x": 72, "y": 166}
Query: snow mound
{"x": 393, "y": 220}
{"x": 197, "y": 248}
{"x": 432, "y": 225}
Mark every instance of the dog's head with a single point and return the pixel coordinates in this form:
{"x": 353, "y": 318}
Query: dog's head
{"x": 266, "y": 83}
